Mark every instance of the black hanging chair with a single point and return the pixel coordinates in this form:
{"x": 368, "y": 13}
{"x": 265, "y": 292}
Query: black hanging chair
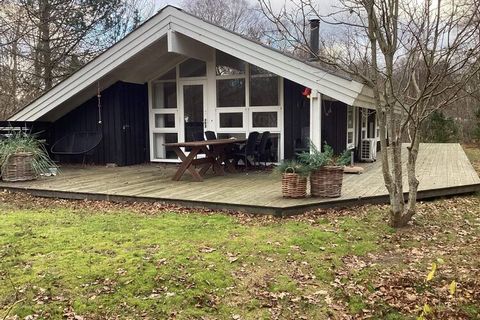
{"x": 82, "y": 142}
{"x": 77, "y": 143}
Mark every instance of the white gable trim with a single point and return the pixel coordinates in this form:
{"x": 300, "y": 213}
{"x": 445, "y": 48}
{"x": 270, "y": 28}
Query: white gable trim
{"x": 173, "y": 19}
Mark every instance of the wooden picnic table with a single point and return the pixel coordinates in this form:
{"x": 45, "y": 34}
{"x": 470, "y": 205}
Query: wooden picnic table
{"x": 215, "y": 154}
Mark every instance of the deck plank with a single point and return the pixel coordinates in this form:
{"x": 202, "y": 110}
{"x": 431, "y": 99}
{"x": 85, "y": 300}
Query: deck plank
{"x": 442, "y": 169}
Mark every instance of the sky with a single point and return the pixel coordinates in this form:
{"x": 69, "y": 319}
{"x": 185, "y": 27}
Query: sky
{"x": 325, "y": 5}
{"x": 161, "y": 3}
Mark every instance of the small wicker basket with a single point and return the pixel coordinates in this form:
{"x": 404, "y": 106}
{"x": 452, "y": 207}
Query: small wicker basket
{"x": 293, "y": 184}
{"x": 18, "y": 167}
{"x": 327, "y": 182}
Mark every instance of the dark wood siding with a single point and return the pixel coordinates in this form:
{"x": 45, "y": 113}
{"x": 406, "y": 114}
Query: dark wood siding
{"x": 124, "y": 125}
{"x": 296, "y": 119}
{"x": 334, "y": 125}
{"x": 135, "y": 123}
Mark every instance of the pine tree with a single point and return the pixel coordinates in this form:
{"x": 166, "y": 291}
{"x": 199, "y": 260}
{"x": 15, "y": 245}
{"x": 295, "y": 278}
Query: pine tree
{"x": 440, "y": 128}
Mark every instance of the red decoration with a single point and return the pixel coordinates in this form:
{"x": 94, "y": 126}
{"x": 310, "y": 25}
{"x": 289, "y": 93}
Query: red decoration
{"x": 306, "y": 92}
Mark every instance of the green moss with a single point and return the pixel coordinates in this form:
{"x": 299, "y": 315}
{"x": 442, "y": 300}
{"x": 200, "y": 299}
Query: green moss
{"x": 284, "y": 283}
{"x": 473, "y": 311}
{"x": 356, "y": 304}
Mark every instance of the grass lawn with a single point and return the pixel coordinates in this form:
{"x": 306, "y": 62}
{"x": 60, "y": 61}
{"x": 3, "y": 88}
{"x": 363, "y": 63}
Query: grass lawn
{"x": 97, "y": 260}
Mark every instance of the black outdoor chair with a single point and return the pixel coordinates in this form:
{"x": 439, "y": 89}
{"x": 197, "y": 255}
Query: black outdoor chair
{"x": 77, "y": 143}
{"x": 198, "y": 136}
{"x": 261, "y": 150}
{"x": 210, "y": 135}
{"x": 248, "y": 150}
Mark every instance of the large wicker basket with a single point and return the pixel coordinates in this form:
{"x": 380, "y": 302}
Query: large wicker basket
{"x": 327, "y": 182}
{"x": 18, "y": 167}
{"x": 293, "y": 184}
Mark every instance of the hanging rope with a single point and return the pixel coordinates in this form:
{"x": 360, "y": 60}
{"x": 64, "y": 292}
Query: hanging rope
{"x": 327, "y": 110}
{"x": 99, "y": 103}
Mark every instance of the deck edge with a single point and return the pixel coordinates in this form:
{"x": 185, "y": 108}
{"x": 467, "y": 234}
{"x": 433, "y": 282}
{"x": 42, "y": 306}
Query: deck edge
{"x": 255, "y": 209}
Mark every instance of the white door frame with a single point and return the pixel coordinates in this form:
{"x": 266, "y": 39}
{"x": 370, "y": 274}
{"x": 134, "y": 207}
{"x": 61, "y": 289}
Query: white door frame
{"x": 181, "y": 106}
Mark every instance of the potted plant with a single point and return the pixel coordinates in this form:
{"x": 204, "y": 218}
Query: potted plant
{"x": 23, "y": 157}
{"x": 326, "y": 170}
{"x": 294, "y": 178}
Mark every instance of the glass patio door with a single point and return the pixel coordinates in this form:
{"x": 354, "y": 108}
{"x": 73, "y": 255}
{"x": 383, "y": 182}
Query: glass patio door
{"x": 193, "y": 106}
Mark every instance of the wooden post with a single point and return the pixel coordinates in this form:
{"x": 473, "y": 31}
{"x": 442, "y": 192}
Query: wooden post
{"x": 316, "y": 118}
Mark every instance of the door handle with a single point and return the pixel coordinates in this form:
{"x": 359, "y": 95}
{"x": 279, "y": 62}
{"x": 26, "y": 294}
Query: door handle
{"x": 205, "y": 123}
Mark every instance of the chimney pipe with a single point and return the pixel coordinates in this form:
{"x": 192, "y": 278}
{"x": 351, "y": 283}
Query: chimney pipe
{"x": 314, "y": 38}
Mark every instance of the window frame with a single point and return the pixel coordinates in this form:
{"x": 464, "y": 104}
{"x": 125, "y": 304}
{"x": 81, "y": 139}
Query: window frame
{"x": 212, "y": 111}
{"x": 351, "y": 129}
{"x": 253, "y": 110}
{"x": 248, "y": 110}
{"x": 230, "y": 110}
{"x": 363, "y": 124}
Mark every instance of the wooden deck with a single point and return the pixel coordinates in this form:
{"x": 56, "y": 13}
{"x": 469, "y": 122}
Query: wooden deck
{"x": 443, "y": 169}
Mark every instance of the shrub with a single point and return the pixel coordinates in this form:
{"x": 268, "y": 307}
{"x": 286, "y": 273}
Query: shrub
{"x": 315, "y": 159}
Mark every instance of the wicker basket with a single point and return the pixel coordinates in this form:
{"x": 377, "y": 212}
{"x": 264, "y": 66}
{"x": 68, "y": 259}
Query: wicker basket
{"x": 18, "y": 167}
{"x": 327, "y": 182}
{"x": 293, "y": 184}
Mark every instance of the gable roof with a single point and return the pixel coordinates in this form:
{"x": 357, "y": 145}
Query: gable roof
{"x": 150, "y": 37}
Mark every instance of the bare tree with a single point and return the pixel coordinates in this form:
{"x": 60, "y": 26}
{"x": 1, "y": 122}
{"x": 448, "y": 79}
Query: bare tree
{"x": 236, "y": 15}
{"x": 44, "y": 41}
{"x": 415, "y": 56}
{"x": 11, "y": 33}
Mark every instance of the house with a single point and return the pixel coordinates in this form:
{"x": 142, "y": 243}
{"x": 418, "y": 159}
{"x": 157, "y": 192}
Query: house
{"x": 177, "y": 74}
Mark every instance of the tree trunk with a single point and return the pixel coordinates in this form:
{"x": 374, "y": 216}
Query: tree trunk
{"x": 397, "y": 201}
{"x": 44, "y": 43}
{"x": 401, "y": 219}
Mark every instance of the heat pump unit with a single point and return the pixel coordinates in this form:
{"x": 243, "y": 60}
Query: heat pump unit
{"x": 368, "y": 150}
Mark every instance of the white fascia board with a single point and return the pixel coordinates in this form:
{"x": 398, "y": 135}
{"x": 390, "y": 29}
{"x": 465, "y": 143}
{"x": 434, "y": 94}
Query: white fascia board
{"x": 152, "y": 31}
{"x": 342, "y": 89}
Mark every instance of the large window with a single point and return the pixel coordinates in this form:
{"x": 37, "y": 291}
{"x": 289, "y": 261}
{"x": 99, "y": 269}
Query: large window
{"x": 164, "y": 120}
{"x": 263, "y": 87}
{"x": 230, "y": 73}
{"x": 230, "y": 93}
{"x": 237, "y": 99}
{"x": 164, "y": 95}
{"x": 248, "y": 99}
{"x": 231, "y": 120}
{"x": 159, "y": 150}
{"x": 264, "y": 119}
{"x": 193, "y": 68}
{"x": 227, "y": 65}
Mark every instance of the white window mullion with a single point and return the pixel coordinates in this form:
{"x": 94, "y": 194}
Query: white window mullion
{"x": 350, "y": 127}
